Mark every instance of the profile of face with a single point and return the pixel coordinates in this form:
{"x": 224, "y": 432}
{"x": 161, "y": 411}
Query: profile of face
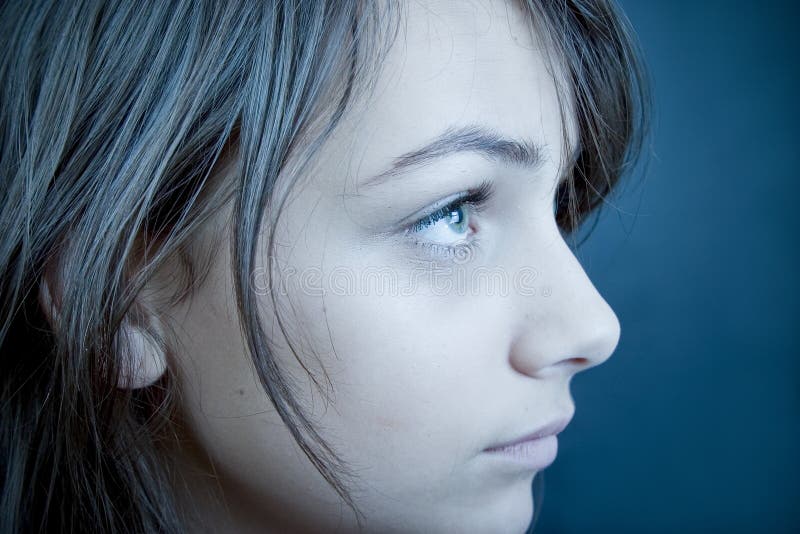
{"x": 426, "y": 278}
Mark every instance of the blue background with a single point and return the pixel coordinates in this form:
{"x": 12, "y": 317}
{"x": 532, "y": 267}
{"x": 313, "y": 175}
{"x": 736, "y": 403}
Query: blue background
{"x": 694, "y": 424}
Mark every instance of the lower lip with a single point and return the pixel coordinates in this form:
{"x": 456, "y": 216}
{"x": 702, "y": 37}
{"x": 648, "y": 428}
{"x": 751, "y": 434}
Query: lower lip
{"x": 531, "y": 454}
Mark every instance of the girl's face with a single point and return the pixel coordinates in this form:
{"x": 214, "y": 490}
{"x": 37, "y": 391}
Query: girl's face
{"x": 435, "y": 290}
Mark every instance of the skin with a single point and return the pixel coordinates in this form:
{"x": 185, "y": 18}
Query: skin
{"x": 423, "y": 380}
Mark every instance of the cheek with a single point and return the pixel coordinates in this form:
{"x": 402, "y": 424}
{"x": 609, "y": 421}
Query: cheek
{"x": 410, "y": 378}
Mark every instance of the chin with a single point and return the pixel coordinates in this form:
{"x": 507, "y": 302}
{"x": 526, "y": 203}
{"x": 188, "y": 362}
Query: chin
{"x": 512, "y": 512}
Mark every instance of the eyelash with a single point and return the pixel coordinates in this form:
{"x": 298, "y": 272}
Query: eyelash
{"x": 476, "y": 198}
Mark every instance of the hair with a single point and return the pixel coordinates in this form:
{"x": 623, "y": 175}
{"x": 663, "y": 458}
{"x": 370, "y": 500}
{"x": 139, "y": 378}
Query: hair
{"x": 114, "y": 118}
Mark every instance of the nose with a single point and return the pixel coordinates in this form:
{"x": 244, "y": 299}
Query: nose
{"x": 564, "y": 326}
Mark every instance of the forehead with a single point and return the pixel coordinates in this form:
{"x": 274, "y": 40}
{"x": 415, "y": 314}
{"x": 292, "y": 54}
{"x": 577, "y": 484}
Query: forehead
{"x": 456, "y": 64}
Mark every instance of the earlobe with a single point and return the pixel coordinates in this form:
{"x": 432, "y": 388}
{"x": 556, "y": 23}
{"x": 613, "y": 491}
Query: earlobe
{"x": 141, "y": 357}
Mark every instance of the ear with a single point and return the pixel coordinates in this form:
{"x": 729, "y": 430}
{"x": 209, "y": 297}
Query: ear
{"x": 142, "y": 354}
{"x": 139, "y": 343}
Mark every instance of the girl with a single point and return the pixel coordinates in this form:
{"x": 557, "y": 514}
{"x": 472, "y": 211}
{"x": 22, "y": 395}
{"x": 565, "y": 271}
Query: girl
{"x": 297, "y": 266}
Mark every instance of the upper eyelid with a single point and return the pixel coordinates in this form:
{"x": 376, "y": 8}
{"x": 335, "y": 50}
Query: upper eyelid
{"x": 420, "y": 215}
{"x": 485, "y": 191}
{"x": 456, "y": 202}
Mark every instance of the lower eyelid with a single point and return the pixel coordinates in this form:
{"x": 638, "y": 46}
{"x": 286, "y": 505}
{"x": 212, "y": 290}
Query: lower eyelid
{"x": 460, "y": 253}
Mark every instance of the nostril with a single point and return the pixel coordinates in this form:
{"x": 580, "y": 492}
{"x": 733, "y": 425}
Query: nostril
{"x": 578, "y": 363}
{"x": 565, "y": 366}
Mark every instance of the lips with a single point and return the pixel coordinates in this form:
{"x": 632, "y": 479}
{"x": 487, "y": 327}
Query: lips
{"x": 550, "y": 429}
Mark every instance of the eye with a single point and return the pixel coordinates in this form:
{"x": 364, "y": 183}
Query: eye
{"x": 446, "y": 226}
{"x": 454, "y": 222}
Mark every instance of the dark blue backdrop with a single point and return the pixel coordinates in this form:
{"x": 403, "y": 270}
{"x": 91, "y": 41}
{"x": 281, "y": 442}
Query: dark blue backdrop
{"x": 694, "y": 423}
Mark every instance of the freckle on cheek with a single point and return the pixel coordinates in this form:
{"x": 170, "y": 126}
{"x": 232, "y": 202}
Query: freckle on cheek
{"x": 385, "y": 422}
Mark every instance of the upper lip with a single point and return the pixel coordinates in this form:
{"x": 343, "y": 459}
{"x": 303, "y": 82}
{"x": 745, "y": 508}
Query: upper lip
{"x": 550, "y": 429}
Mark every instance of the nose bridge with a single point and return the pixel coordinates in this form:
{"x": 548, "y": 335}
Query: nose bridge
{"x": 565, "y": 323}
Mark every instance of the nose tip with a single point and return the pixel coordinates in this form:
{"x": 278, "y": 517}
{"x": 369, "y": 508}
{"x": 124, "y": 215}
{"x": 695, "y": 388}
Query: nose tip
{"x": 571, "y": 352}
{"x": 601, "y": 339}
{"x": 572, "y": 331}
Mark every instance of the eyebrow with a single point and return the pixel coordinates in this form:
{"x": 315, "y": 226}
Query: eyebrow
{"x": 473, "y": 138}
